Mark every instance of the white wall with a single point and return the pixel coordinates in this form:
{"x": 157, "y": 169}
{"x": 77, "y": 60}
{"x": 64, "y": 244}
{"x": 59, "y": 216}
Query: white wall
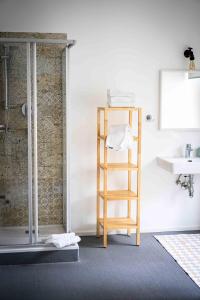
{"x": 120, "y": 43}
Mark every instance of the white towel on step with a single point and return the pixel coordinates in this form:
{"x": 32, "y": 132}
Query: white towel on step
{"x": 63, "y": 239}
{"x": 120, "y": 137}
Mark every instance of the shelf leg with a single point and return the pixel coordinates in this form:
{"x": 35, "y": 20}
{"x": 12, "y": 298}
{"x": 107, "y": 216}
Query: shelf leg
{"x": 98, "y": 172}
{"x": 105, "y": 230}
{"x": 138, "y": 237}
{"x": 98, "y": 216}
{"x": 129, "y": 215}
{"x": 129, "y": 172}
{"x": 138, "y": 223}
{"x": 139, "y": 176}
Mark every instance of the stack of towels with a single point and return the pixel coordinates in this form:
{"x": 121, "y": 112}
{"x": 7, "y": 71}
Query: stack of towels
{"x": 118, "y": 98}
{"x": 62, "y": 240}
{"x": 120, "y": 137}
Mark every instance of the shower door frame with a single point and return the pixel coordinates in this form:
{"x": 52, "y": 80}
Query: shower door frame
{"x": 30, "y": 150}
{"x": 32, "y": 110}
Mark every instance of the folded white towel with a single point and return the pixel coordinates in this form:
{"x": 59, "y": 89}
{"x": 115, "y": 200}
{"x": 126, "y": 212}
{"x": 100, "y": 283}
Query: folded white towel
{"x": 63, "y": 239}
{"x": 120, "y": 98}
{"x": 119, "y": 93}
{"x": 121, "y": 103}
{"x": 120, "y": 137}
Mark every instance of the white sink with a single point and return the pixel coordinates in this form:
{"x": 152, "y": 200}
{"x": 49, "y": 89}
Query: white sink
{"x": 180, "y": 165}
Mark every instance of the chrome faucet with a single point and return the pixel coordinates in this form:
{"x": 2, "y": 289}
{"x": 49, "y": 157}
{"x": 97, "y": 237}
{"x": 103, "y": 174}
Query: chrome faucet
{"x": 188, "y": 150}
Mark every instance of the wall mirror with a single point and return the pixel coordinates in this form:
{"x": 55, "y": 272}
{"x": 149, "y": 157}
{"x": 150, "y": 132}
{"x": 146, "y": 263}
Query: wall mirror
{"x": 179, "y": 99}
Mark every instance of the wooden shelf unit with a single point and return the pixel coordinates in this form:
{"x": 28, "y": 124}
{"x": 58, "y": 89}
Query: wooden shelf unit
{"x": 128, "y": 195}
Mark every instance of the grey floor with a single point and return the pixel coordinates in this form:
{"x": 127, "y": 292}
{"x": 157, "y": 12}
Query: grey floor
{"x": 123, "y": 271}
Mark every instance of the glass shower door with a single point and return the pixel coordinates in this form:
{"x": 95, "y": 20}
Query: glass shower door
{"x": 50, "y": 139}
{"x": 15, "y": 143}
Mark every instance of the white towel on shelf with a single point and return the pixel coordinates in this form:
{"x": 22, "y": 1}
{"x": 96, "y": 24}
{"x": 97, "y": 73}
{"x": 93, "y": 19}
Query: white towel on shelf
{"x": 120, "y": 137}
{"x": 118, "y": 98}
{"x": 121, "y": 103}
{"x": 119, "y": 93}
{"x": 63, "y": 239}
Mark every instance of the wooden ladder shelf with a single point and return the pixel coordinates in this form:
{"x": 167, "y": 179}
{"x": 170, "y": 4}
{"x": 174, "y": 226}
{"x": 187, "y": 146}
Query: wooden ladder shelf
{"x": 128, "y": 195}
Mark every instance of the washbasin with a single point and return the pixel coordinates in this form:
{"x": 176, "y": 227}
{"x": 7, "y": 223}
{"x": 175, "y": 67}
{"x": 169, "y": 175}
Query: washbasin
{"x": 180, "y": 165}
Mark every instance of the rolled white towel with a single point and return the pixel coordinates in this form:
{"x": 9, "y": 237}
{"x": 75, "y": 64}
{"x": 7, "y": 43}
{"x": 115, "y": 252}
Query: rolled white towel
{"x": 63, "y": 239}
{"x": 120, "y": 137}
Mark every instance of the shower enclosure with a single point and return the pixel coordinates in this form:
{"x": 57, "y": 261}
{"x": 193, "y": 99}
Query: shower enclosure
{"x": 34, "y": 127}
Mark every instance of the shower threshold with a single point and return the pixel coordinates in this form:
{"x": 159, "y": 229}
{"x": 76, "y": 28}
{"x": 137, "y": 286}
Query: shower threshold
{"x": 18, "y": 251}
{"x": 17, "y": 235}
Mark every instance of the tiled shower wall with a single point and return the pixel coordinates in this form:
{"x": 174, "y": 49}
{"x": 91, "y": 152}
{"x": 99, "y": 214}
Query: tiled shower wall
{"x": 13, "y": 143}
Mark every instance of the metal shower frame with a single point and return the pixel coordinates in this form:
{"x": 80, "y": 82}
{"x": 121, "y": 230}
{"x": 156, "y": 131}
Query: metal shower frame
{"x": 32, "y": 106}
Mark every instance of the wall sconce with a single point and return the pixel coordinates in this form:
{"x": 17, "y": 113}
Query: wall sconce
{"x": 188, "y": 53}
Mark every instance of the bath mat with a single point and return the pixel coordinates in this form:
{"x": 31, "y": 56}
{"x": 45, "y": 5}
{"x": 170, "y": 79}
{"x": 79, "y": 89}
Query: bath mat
{"x": 185, "y": 249}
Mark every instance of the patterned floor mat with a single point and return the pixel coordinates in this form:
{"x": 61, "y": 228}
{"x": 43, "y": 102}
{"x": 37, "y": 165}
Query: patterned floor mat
{"x": 185, "y": 249}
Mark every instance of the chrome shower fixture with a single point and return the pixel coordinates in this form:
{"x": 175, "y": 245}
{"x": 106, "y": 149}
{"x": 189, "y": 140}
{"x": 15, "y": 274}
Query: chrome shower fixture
{"x": 2, "y": 127}
{"x": 4, "y": 59}
{"x": 24, "y": 109}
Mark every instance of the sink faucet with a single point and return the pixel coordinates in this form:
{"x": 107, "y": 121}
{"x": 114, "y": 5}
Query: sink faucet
{"x": 188, "y": 150}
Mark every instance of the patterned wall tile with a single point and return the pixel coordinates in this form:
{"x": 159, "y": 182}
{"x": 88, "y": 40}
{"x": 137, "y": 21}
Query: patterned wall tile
{"x": 13, "y": 145}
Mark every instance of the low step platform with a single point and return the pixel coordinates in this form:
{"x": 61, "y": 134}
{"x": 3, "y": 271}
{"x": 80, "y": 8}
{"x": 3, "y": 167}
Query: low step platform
{"x": 37, "y": 254}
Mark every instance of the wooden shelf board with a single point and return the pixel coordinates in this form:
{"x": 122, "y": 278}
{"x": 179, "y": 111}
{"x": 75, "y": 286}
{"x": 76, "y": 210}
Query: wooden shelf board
{"x": 118, "y": 195}
{"x": 103, "y": 137}
{"x": 118, "y": 223}
{"x": 118, "y": 108}
{"x": 118, "y": 166}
